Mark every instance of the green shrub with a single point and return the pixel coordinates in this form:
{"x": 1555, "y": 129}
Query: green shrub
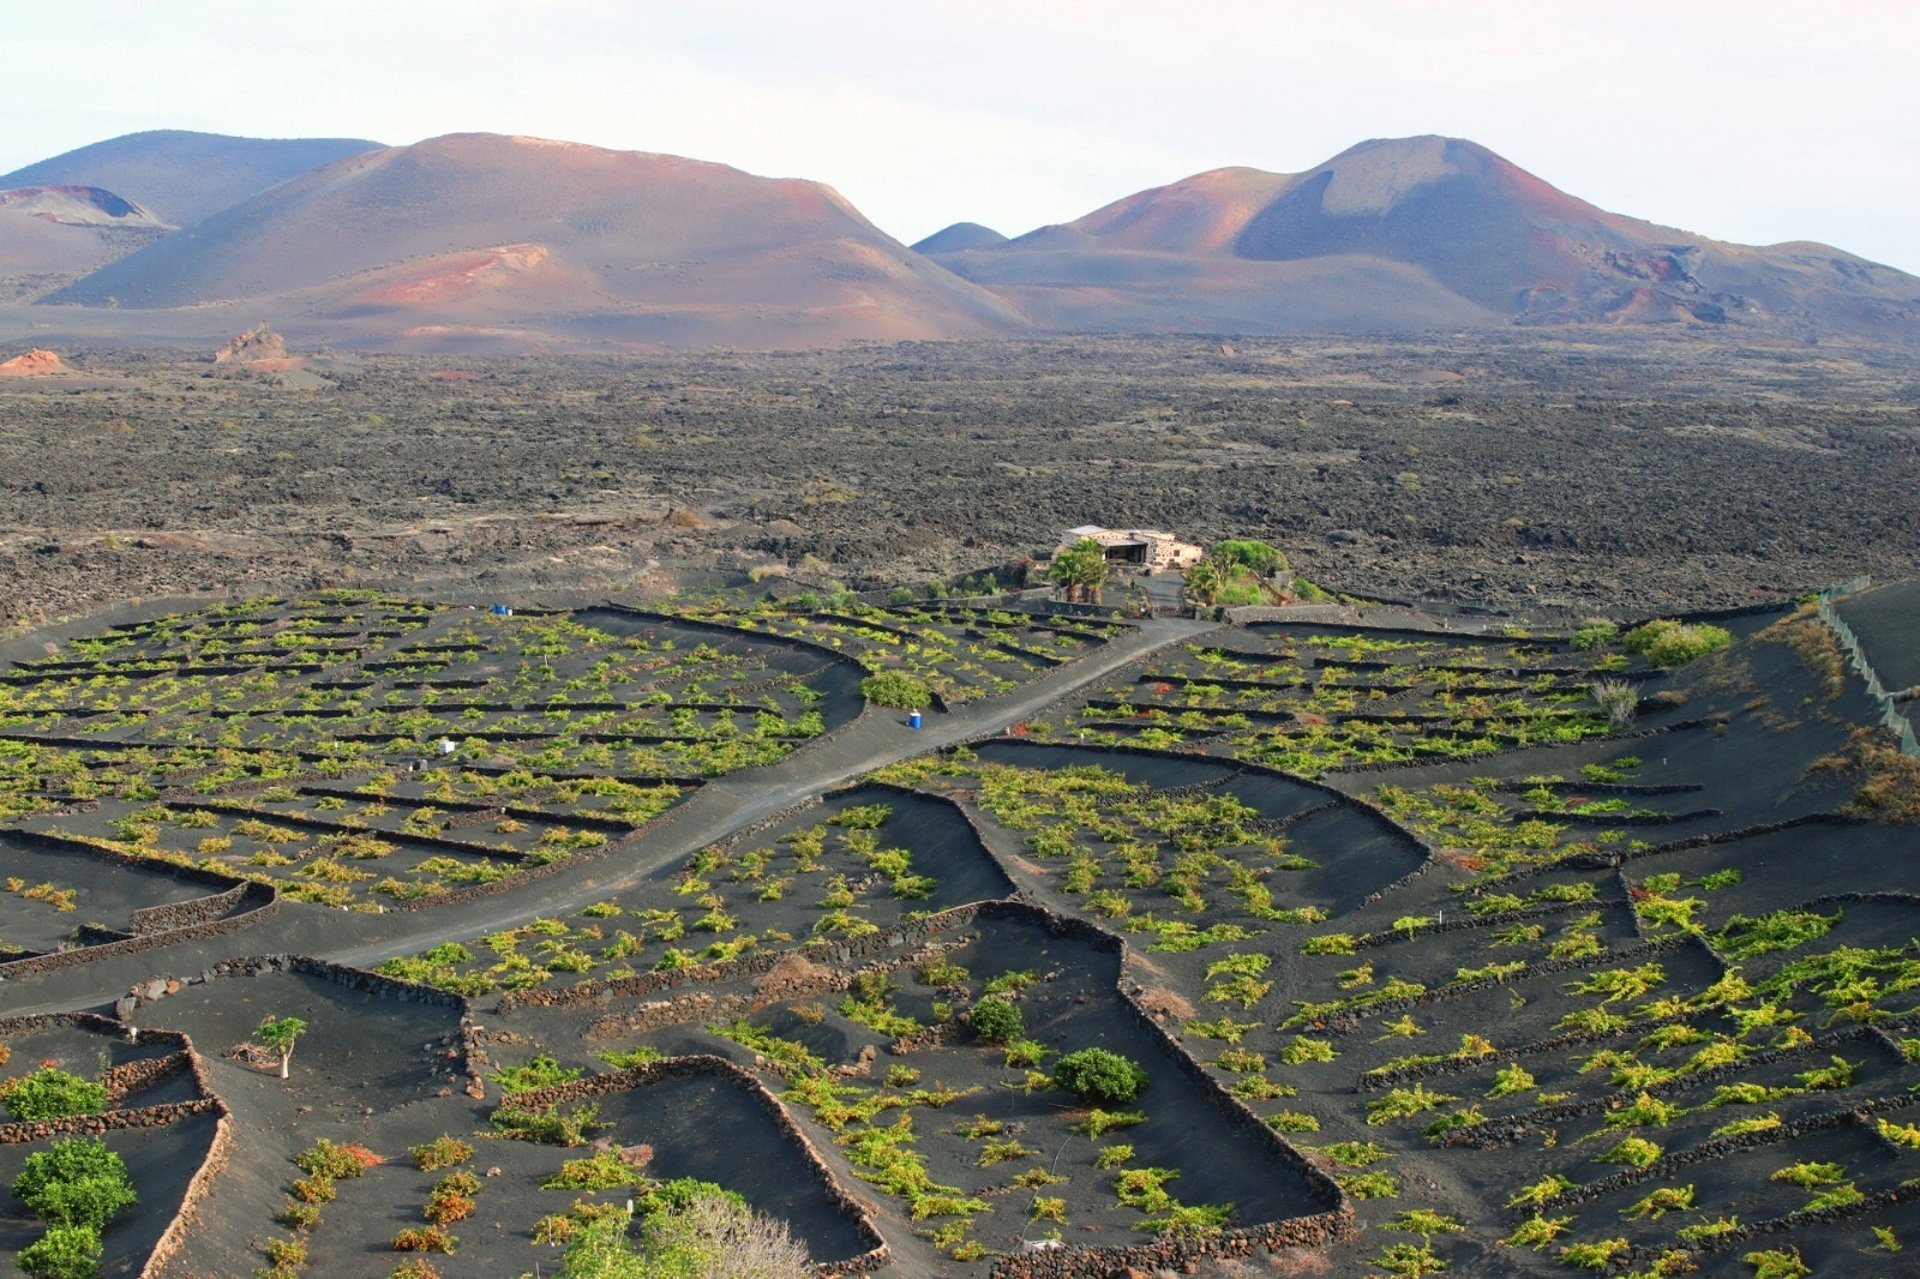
{"x": 50, "y": 1093}
{"x": 1248, "y": 555}
{"x": 549, "y": 1125}
{"x": 75, "y": 1182}
{"x": 1594, "y": 634}
{"x": 441, "y": 1152}
{"x": 1096, "y": 1075}
{"x": 64, "y": 1252}
{"x": 1669, "y": 643}
{"x": 897, "y": 689}
{"x": 998, "y": 1021}
{"x": 541, "y": 1072}
{"x": 335, "y": 1162}
{"x": 1100, "y": 1122}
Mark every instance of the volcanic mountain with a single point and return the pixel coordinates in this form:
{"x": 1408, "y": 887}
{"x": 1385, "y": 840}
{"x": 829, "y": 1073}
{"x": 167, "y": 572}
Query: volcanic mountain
{"x": 960, "y": 237}
{"x": 1403, "y": 233}
{"x": 50, "y": 235}
{"x": 182, "y": 176}
{"x": 515, "y": 242}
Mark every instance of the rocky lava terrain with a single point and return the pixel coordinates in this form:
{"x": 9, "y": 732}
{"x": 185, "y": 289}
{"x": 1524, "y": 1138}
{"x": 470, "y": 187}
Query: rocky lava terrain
{"x": 1615, "y": 472}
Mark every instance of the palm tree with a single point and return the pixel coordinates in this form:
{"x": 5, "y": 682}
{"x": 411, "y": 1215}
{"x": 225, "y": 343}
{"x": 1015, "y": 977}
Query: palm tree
{"x": 1081, "y": 568}
{"x": 1203, "y": 582}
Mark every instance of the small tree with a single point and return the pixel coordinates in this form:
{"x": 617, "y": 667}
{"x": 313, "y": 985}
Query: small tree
{"x": 1098, "y": 1076}
{"x": 279, "y": 1034}
{"x": 50, "y": 1093}
{"x": 1080, "y": 569}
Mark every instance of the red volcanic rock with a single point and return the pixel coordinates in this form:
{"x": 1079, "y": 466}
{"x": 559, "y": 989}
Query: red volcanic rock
{"x": 35, "y": 363}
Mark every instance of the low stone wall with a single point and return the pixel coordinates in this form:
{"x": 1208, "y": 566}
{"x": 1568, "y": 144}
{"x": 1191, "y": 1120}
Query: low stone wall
{"x": 378, "y": 985}
{"x": 877, "y": 1255}
{"x": 1181, "y": 1256}
{"x": 268, "y": 900}
{"x": 201, "y": 910}
{"x": 167, "y": 1248}
{"x": 137, "y": 1076}
{"x": 108, "y": 1121}
{"x": 28, "y": 1023}
{"x": 1255, "y": 614}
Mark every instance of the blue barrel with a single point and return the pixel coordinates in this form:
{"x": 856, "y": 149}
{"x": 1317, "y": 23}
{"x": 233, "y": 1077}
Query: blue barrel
{"x": 913, "y": 719}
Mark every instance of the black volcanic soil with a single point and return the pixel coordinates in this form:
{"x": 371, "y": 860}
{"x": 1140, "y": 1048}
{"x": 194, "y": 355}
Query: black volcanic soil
{"x": 1616, "y": 472}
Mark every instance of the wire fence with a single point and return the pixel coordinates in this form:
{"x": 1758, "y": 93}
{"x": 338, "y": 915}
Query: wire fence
{"x": 1898, "y": 724}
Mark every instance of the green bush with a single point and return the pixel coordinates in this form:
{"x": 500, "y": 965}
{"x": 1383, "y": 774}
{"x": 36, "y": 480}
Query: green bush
{"x": 64, "y": 1252}
{"x": 548, "y": 1125}
{"x": 75, "y": 1182}
{"x": 441, "y": 1152}
{"x": 1249, "y": 555}
{"x": 1240, "y": 594}
{"x": 1669, "y": 643}
{"x": 897, "y": 689}
{"x": 687, "y": 1230}
{"x": 542, "y": 1072}
{"x": 51, "y": 1093}
{"x": 1593, "y": 634}
{"x": 1096, "y": 1075}
{"x": 998, "y": 1021}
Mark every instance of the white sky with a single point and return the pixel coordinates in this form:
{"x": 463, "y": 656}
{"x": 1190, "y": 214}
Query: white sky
{"x": 1748, "y": 120}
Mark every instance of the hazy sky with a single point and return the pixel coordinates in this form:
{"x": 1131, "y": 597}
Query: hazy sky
{"x": 1749, "y": 120}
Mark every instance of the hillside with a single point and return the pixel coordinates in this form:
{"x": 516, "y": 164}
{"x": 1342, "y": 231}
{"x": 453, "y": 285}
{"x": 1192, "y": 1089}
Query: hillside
{"x": 960, "y": 236}
{"x": 479, "y": 238}
{"x": 183, "y": 176}
{"x": 510, "y": 244}
{"x": 1408, "y": 232}
{"x": 51, "y": 235}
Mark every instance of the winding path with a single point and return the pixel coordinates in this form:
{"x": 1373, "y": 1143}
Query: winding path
{"x": 720, "y": 808}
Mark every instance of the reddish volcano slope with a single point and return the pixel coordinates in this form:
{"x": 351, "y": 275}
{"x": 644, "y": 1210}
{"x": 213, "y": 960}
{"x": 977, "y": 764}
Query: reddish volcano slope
{"x": 483, "y": 238}
{"x": 1402, "y": 233}
{"x": 183, "y": 176}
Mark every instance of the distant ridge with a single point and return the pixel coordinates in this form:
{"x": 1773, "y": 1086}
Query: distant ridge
{"x": 960, "y": 237}
{"x": 481, "y": 239}
{"x": 1394, "y": 233}
{"x": 490, "y": 242}
{"x": 182, "y": 176}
